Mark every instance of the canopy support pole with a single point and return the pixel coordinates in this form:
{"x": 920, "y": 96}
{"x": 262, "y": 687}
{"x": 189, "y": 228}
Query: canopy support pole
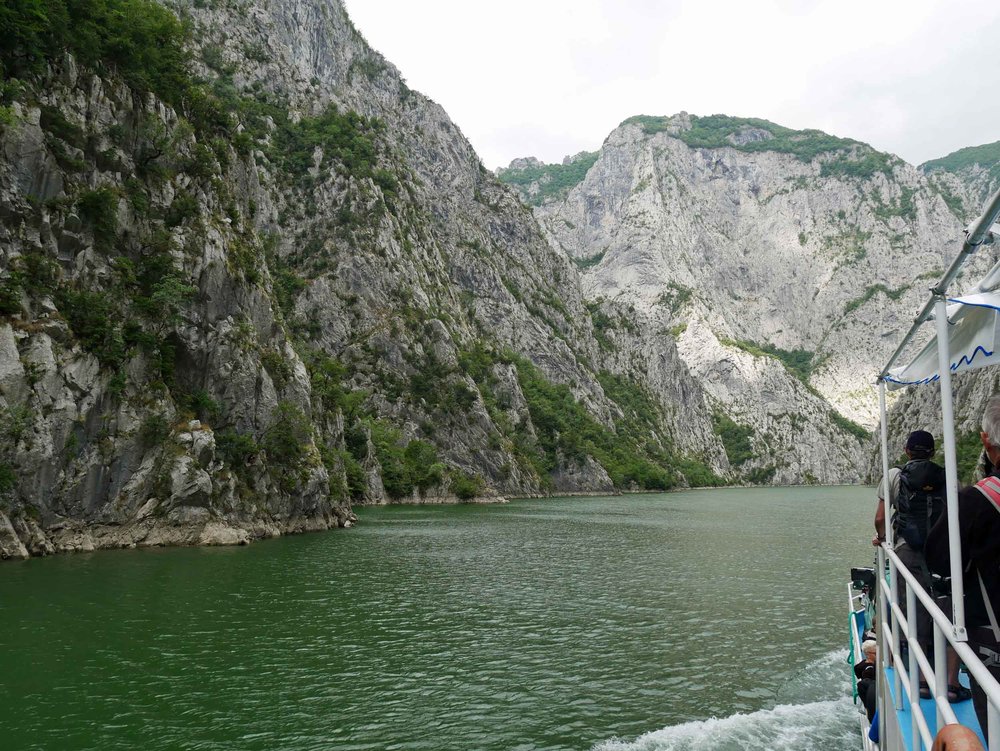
{"x": 950, "y": 468}
{"x": 889, "y": 500}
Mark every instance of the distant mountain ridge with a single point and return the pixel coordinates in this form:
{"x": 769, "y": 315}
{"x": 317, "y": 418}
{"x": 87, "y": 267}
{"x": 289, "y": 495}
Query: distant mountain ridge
{"x": 987, "y": 156}
{"x": 538, "y": 182}
{"x": 746, "y": 239}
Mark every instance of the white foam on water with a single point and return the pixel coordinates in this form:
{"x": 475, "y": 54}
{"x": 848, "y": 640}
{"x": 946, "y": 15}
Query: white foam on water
{"x": 827, "y": 677}
{"x": 823, "y": 719}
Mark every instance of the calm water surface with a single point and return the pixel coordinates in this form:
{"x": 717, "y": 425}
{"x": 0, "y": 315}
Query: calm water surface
{"x": 699, "y": 620}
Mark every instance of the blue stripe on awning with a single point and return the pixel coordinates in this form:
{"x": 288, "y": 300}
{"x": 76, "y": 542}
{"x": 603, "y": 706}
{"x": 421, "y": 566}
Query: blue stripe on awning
{"x": 963, "y": 360}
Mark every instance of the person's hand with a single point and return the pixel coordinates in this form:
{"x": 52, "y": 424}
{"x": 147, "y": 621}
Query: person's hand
{"x": 877, "y": 541}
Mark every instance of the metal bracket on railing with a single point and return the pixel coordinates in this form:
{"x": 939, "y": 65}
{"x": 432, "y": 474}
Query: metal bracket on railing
{"x": 989, "y": 237}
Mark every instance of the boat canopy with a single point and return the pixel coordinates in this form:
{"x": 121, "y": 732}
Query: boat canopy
{"x": 973, "y": 342}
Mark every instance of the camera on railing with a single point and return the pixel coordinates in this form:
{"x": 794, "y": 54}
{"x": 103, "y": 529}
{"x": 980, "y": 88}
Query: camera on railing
{"x": 863, "y": 579}
{"x": 940, "y": 585}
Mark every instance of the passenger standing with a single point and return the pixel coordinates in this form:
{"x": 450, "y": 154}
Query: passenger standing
{"x": 979, "y": 530}
{"x": 917, "y": 491}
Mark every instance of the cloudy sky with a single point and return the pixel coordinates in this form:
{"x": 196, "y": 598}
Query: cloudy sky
{"x": 547, "y": 78}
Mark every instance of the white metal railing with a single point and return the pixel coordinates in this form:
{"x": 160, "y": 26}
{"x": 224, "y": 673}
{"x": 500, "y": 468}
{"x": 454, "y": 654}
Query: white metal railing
{"x": 893, "y": 624}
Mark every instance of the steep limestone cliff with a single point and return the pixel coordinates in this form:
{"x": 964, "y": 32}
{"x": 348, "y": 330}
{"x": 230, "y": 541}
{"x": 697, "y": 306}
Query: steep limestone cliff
{"x": 248, "y": 278}
{"x": 967, "y": 179}
{"x": 784, "y": 262}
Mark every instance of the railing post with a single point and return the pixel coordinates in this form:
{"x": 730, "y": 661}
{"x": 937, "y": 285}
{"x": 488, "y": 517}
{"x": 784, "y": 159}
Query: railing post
{"x": 993, "y": 720}
{"x": 884, "y": 424}
{"x": 913, "y": 668}
{"x": 950, "y": 467}
{"x": 940, "y": 670}
{"x": 894, "y": 628}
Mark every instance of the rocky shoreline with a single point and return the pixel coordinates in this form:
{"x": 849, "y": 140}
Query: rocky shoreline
{"x": 22, "y": 537}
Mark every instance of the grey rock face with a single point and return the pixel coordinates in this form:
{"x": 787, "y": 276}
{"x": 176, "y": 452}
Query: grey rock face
{"x": 11, "y": 545}
{"x": 524, "y": 163}
{"x": 93, "y": 450}
{"x": 733, "y": 249}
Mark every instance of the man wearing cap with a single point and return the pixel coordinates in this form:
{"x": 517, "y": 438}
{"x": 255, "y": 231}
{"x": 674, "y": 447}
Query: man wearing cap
{"x": 922, "y": 476}
{"x": 916, "y": 493}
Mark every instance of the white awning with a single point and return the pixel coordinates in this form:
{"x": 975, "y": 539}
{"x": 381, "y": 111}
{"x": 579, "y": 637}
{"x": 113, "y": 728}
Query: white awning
{"x": 973, "y": 341}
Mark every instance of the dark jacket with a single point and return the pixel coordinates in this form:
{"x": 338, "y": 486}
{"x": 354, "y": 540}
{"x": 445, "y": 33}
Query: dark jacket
{"x": 865, "y": 669}
{"x": 979, "y": 529}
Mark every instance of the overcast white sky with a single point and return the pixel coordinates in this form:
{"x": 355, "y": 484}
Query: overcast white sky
{"x": 547, "y": 78}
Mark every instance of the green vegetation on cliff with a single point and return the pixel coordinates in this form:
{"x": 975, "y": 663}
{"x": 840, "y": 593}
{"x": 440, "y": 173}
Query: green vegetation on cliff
{"x": 968, "y": 448}
{"x": 870, "y": 292}
{"x": 139, "y": 40}
{"x": 346, "y": 138}
{"x": 863, "y": 164}
{"x": 407, "y": 466}
{"x": 136, "y": 314}
{"x": 633, "y": 454}
{"x": 852, "y": 158}
{"x": 717, "y": 131}
{"x": 146, "y": 46}
{"x": 799, "y": 362}
{"x": 986, "y": 156}
{"x": 552, "y": 179}
{"x": 860, "y": 432}
{"x": 735, "y": 437}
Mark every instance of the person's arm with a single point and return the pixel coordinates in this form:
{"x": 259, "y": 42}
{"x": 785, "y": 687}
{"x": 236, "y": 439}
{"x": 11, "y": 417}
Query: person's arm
{"x": 887, "y": 485}
{"x": 879, "y": 523}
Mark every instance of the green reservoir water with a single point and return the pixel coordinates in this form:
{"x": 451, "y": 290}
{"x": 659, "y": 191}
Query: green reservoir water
{"x": 703, "y": 620}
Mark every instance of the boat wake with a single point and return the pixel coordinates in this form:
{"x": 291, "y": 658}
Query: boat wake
{"x": 816, "y": 714}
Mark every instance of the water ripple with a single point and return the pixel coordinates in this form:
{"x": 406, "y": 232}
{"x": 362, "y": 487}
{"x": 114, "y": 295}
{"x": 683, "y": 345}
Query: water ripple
{"x": 617, "y": 623}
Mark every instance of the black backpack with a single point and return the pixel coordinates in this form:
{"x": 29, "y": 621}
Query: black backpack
{"x": 920, "y": 501}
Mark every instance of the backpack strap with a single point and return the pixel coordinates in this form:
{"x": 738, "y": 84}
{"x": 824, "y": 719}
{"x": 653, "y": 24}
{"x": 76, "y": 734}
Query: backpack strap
{"x": 990, "y": 487}
{"x": 990, "y": 612}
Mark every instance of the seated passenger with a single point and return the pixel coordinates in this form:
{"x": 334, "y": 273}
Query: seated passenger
{"x": 865, "y": 671}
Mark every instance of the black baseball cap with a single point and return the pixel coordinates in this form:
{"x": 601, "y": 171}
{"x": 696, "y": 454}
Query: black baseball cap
{"x": 920, "y": 442}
